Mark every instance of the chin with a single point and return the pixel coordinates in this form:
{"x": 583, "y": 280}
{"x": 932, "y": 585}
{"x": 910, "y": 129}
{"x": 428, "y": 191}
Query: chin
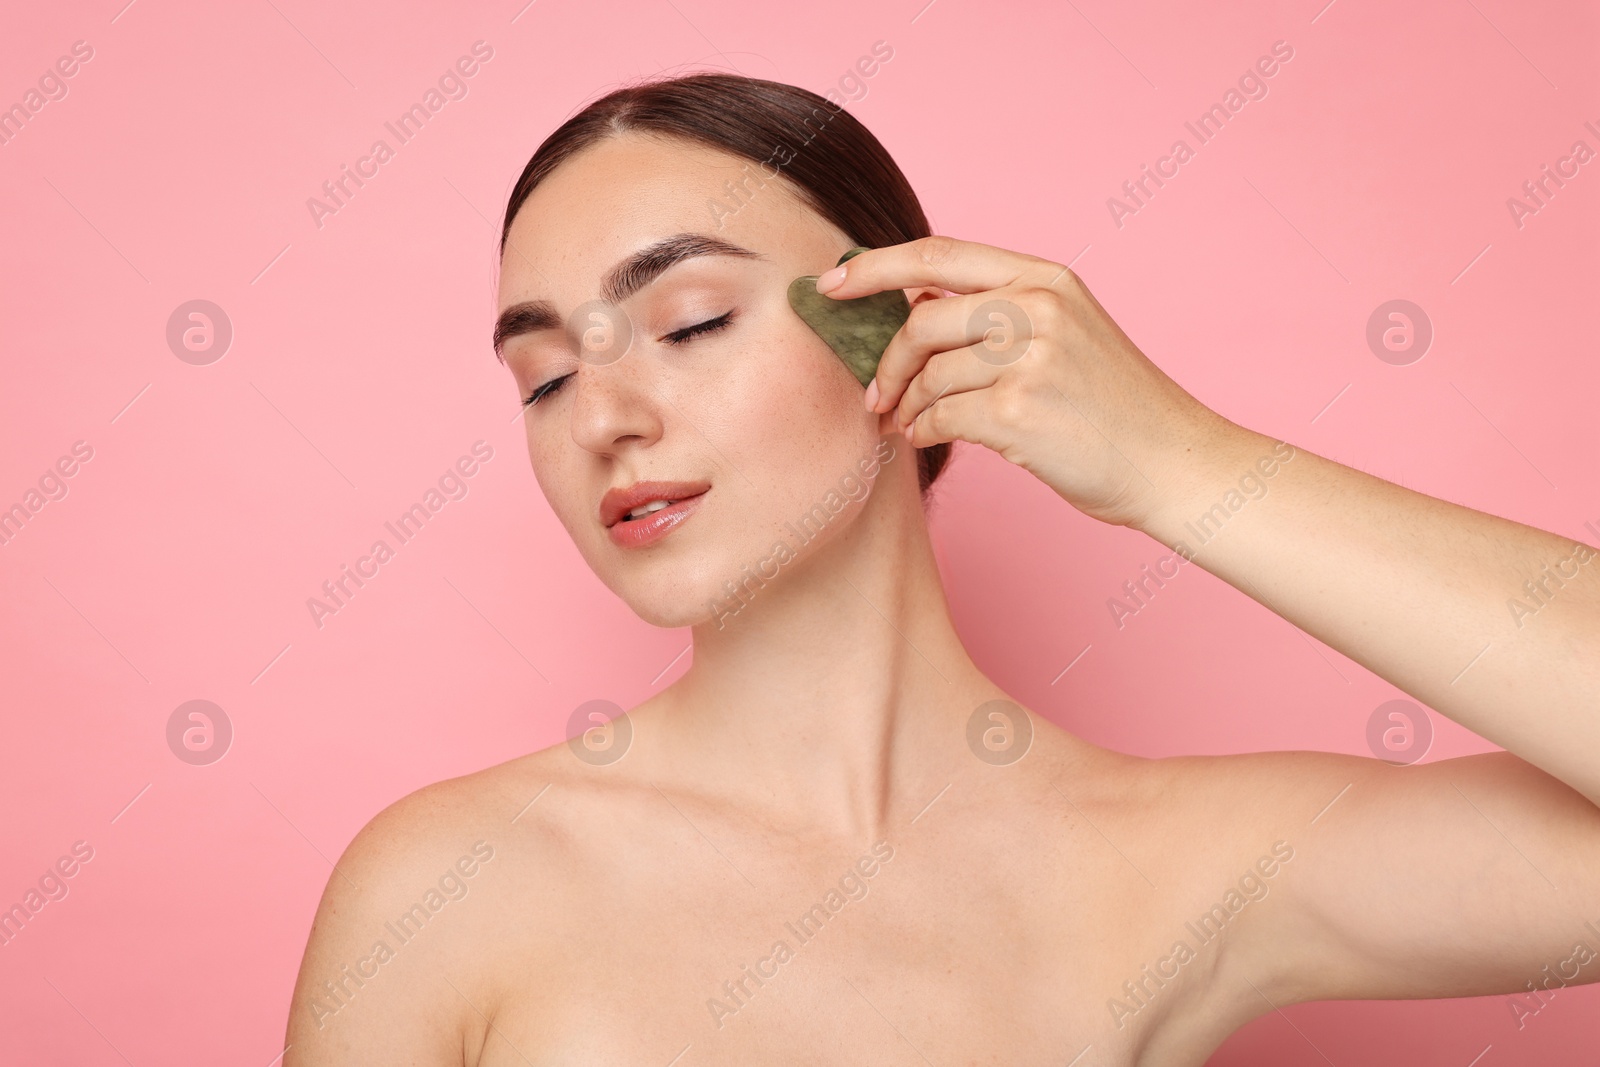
{"x": 672, "y": 616}
{"x": 669, "y": 593}
{"x": 688, "y": 605}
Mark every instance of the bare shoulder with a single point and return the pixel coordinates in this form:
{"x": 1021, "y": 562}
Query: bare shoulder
{"x": 392, "y": 970}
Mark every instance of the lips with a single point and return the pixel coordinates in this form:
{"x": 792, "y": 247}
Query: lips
{"x": 653, "y": 526}
{"x": 616, "y": 504}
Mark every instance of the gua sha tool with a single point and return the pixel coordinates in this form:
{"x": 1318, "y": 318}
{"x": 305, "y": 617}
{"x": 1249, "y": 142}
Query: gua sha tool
{"x": 857, "y": 330}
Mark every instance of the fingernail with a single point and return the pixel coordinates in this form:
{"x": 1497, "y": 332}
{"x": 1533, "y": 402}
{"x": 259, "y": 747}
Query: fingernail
{"x": 832, "y": 280}
{"x": 872, "y": 394}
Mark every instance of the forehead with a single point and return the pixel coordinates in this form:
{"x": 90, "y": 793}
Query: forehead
{"x": 620, "y": 195}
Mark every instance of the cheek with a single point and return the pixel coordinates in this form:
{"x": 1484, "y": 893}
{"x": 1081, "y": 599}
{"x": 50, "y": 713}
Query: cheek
{"x": 790, "y": 397}
{"x": 558, "y": 478}
{"x": 826, "y": 416}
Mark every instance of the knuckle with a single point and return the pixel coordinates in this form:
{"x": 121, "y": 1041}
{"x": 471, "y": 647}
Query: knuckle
{"x": 908, "y": 399}
{"x": 1008, "y": 401}
{"x": 1069, "y": 281}
{"x": 1045, "y": 308}
{"x": 936, "y": 250}
{"x": 1062, "y": 279}
{"x": 915, "y": 328}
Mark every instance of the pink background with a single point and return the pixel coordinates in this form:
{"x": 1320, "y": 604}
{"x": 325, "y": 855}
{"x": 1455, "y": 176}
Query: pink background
{"x": 220, "y": 497}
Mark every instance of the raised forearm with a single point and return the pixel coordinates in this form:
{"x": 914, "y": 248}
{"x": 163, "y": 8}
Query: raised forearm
{"x": 1488, "y": 621}
{"x": 1418, "y": 590}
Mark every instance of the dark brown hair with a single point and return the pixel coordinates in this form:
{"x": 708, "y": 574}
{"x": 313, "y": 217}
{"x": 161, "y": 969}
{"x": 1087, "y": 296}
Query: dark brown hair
{"x": 834, "y": 164}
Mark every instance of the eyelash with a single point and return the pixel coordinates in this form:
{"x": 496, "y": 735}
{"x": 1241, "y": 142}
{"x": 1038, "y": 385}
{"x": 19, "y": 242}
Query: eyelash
{"x": 677, "y": 337}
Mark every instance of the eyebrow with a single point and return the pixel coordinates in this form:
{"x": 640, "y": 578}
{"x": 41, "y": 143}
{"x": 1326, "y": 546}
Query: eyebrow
{"x": 624, "y": 279}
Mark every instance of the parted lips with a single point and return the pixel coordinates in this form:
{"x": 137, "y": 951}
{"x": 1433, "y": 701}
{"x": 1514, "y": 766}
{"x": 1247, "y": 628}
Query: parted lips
{"x": 857, "y": 330}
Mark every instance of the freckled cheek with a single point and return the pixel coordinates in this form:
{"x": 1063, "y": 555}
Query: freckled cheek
{"x": 825, "y": 394}
{"x": 760, "y": 386}
{"x": 814, "y": 403}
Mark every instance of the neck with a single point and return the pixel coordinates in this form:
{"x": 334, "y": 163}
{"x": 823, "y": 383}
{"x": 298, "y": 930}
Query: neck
{"x": 839, "y": 689}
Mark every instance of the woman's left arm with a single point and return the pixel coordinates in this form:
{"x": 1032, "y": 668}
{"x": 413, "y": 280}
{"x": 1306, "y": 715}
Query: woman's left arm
{"x": 1490, "y": 622}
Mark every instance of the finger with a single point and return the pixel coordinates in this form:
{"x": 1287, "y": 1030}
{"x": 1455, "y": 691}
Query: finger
{"x": 990, "y": 320}
{"x": 956, "y": 416}
{"x": 951, "y": 264}
{"x": 945, "y": 374}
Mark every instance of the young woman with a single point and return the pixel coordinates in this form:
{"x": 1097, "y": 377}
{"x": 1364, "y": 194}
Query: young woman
{"x": 834, "y": 840}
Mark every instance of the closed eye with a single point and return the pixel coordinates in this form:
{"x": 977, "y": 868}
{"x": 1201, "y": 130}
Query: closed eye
{"x": 709, "y": 326}
{"x": 677, "y": 337}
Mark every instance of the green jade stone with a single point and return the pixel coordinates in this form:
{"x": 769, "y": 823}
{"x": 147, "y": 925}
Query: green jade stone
{"x": 857, "y": 330}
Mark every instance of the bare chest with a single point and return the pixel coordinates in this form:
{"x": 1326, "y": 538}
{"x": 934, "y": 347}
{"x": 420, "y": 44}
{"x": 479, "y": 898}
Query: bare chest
{"x": 915, "y": 958}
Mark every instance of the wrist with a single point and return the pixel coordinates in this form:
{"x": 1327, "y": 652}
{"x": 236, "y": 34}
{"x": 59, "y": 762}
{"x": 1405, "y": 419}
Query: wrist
{"x": 1217, "y": 470}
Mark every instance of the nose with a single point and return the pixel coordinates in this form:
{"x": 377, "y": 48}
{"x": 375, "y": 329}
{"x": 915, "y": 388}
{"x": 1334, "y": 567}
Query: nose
{"x": 614, "y": 403}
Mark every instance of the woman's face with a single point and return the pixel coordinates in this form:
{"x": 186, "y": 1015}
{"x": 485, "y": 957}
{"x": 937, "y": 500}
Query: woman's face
{"x": 753, "y": 406}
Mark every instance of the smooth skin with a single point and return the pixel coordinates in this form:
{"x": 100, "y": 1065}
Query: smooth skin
{"x": 980, "y": 913}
